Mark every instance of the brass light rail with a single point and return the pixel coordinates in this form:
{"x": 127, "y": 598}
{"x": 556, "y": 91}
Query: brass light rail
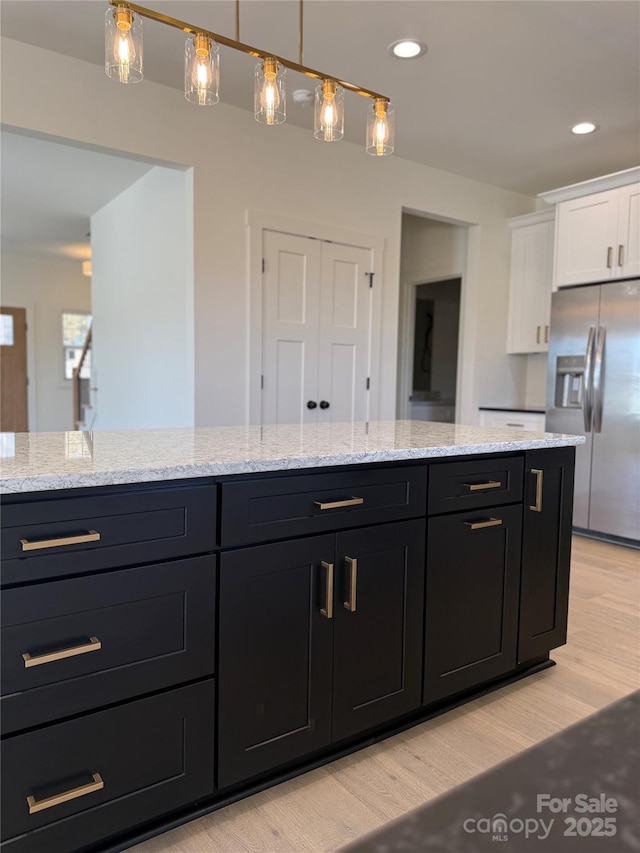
{"x": 246, "y": 48}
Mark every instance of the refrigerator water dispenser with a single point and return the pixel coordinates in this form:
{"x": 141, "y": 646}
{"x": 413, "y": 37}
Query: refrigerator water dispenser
{"x": 569, "y": 381}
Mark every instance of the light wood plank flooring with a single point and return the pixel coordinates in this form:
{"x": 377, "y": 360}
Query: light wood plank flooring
{"x": 330, "y": 807}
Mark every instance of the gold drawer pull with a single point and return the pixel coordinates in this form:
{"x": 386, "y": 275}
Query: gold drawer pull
{"x": 537, "y": 506}
{"x": 337, "y": 504}
{"x": 350, "y": 603}
{"x": 74, "y": 793}
{"x": 474, "y": 487}
{"x": 478, "y": 525}
{"x": 327, "y": 611}
{"x": 92, "y": 646}
{"x": 38, "y": 544}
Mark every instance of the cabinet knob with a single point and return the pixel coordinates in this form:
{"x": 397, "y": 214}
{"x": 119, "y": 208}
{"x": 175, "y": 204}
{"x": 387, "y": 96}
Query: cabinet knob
{"x": 311, "y": 404}
{"x": 324, "y": 404}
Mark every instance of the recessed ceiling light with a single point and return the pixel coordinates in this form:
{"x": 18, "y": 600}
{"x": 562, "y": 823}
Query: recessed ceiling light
{"x": 583, "y": 127}
{"x": 408, "y": 48}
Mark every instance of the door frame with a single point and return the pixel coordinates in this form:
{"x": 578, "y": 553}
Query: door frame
{"x": 257, "y": 222}
{"x": 407, "y": 341}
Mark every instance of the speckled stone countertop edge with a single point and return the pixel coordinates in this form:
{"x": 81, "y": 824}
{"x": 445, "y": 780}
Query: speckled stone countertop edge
{"x": 202, "y": 453}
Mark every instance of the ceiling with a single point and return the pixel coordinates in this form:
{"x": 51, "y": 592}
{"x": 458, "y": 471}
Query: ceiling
{"x": 492, "y": 99}
{"x": 49, "y": 192}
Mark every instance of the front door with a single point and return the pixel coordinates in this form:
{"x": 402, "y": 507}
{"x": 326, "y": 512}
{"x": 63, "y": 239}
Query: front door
{"x": 316, "y": 330}
{"x": 13, "y": 377}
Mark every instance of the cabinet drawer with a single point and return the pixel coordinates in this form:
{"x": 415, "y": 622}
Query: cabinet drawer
{"x": 62, "y": 536}
{"x": 455, "y": 486}
{"x": 282, "y": 507}
{"x": 69, "y": 646}
{"x": 123, "y": 766}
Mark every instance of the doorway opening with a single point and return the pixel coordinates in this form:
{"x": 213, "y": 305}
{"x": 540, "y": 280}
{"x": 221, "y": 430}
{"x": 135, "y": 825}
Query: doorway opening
{"x": 433, "y": 294}
{"x": 435, "y": 350}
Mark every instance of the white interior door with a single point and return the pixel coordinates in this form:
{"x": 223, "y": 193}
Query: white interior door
{"x": 344, "y": 333}
{"x": 316, "y": 330}
{"x": 290, "y": 304}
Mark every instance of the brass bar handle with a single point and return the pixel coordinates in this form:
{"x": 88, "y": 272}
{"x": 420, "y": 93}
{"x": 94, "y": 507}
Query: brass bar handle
{"x": 620, "y": 255}
{"x": 519, "y": 426}
{"x": 39, "y": 544}
{"x": 327, "y": 611}
{"x": 546, "y": 334}
{"x": 609, "y": 257}
{"x": 93, "y": 645}
{"x": 338, "y": 504}
{"x": 537, "y": 506}
{"x": 538, "y": 328}
{"x": 73, "y": 794}
{"x": 475, "y": 487}
{"x": 479, "y": 525}
{"x": 352, "y": 563}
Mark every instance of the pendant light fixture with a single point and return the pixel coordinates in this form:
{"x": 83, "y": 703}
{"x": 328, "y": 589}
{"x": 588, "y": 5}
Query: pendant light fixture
{"x": 201, "y": 70}
{"x": 269, "y": 94}
{"x": 123, "y": 62}
{"x": 329, "y": 112}
{"x": 123, "y": 44}
{"x": 381, "y": 128}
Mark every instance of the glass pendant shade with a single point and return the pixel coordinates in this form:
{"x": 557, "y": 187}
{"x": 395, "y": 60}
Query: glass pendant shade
{"x": 329, "y": 112}
{"x": 270, "y": 92}
{"x": 123, "y": 45}
{"x": 201, "y": 70}
{"x": 381, "y": 128}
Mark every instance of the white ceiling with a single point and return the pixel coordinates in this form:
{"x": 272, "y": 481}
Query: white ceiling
{"x": 493, "y": 98}
{"x": 49, "y": 192}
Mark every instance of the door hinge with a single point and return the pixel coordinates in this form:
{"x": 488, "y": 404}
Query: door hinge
{"x": 262, "y": 382}
{"x": 371, "y": 275}
{"x": 263, "y": 265}
{"x": 368, "y": 383}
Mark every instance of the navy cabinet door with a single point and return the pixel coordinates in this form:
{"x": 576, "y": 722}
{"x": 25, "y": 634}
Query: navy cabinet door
{"x": 472, "y": 588}
{"x": 275, "y": 652}
{"x": 377, "y": 670}
{"x": 546, "y": 551}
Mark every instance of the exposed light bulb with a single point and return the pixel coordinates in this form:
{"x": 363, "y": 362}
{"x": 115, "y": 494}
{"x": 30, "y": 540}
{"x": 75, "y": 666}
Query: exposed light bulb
{"x": 380, "y": 128}
{"x": 329, "y": 112}
{"x": 123, "y": 45}
{"x": 269, "y": 96}
{"x": 201, "y": 70}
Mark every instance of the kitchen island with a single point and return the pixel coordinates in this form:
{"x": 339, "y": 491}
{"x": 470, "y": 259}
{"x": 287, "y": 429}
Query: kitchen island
{"x": 192, "y": 615}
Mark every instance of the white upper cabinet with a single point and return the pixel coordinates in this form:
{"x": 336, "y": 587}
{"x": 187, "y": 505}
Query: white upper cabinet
{"x": 597, "y": 233}
{"x": 628, "y": 251}
{"x": 531, "y": 279}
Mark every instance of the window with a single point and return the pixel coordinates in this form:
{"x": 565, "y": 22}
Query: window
{"x": 6, "y": 330}
{"x": 75, "y": 326}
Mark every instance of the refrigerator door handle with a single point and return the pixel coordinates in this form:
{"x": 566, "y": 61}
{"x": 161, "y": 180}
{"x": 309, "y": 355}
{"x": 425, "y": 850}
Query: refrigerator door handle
{"x": 587, "y": 406}
{"x": 598, "y": 396}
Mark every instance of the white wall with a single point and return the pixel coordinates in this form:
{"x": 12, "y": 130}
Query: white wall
{"x": 536, "y": 389}
{"x": 240, "y": 165}
{"x": 46, "y": 287}
{"x": 142, "y": 296}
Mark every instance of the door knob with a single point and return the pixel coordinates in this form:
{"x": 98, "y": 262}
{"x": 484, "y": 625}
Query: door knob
{"x": 324, "y": 404}
{"x": 311, "y": 404}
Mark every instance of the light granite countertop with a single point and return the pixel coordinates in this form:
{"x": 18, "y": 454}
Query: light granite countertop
{"x": 33, "y": 462}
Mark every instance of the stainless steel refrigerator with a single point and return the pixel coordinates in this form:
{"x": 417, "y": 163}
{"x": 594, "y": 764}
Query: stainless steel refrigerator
{"x": 593, "y": 389}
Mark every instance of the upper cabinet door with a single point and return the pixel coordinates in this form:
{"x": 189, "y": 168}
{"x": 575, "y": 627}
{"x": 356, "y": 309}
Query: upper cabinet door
{"x": 530, "y": 291}
{"x": 628, "y": 248}
{"x": 587, "y": 239}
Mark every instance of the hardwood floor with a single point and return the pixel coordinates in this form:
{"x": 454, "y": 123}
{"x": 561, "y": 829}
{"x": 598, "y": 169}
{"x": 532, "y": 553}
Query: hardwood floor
{"x": 330, "y": 807}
